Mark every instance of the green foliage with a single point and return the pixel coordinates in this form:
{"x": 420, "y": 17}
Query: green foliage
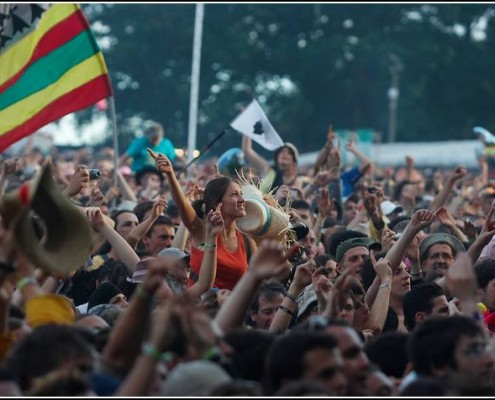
{"x": 336, "y": 57}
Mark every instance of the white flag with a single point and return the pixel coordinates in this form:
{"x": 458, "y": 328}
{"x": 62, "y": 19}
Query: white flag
{"x": 253, "y": 123}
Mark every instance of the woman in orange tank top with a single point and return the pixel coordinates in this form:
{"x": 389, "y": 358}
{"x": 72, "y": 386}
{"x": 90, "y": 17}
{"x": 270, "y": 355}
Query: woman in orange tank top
{"x": 231, "y": 251}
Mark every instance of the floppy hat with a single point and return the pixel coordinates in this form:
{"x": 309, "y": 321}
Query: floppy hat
{"x": 436, "y": 238}
{"x": 67, "y": 240}
{"x": 263, "y": 220}
{"x": 348, "y": 244}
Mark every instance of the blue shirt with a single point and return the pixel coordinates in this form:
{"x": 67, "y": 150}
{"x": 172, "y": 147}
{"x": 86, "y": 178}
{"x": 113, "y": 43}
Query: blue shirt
{"x": 349, "y": 178}
{"x": 140, "y": 156}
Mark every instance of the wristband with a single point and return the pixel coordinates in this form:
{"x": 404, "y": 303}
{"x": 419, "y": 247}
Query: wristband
{"x": 385, "y": 285}
{"x": 289, "y": 296}
{"x": 23, "y": 282}
{"x": 286, "y": 310}
{"x": 151, "y": 351}
{"x": 212, "y": 354}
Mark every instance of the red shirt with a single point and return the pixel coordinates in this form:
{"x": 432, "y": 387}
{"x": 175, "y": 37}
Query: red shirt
{"x": 230, "y": 265}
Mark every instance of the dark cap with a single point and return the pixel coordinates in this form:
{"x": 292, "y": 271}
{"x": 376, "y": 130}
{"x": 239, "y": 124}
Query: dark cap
{"x": 348, "y": 244}
{"x": 436, "y": 238}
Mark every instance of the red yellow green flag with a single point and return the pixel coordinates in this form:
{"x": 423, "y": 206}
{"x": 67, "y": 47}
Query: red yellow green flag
{"x": 50, "y": 66}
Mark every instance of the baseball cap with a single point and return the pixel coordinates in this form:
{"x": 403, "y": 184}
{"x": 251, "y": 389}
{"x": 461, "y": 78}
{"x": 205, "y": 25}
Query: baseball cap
{"x": 174, "y": 252}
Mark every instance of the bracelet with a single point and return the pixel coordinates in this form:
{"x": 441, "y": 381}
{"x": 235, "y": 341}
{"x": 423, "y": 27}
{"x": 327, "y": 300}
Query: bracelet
{"x": 289, "y": 296}
{"x": 286, "y": 310}
{"x": 416, "y": 273}
{"x": 167, "y": 356}
{"x": 23, "y": 282}
{"x": 214, "y": 353}
{"x": 385, "y": 285}
{"x": 207, "y": 245}
{"x": 151, "y": 351}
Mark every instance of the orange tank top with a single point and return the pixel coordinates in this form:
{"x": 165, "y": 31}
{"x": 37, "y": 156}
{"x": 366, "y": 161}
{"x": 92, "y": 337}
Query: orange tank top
{"x": 230, "y": 265}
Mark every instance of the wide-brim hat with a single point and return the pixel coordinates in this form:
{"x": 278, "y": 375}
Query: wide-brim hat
{"x": 262, "y": 220}
{"x": 66, "y": 242}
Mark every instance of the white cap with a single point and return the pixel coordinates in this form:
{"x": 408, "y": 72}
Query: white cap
{"x": 389, "y": 207}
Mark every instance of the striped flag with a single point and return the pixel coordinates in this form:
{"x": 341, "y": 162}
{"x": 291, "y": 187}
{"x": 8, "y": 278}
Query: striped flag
{"x": 50, "y": 66}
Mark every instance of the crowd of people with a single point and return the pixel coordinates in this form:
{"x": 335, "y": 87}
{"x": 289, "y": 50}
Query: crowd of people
{"x": 155, "y": 281}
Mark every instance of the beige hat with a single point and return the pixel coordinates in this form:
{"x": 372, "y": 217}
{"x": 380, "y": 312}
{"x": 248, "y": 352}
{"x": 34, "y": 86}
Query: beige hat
{"x": 66, "y": 243}
{"x": 262, "y": 220}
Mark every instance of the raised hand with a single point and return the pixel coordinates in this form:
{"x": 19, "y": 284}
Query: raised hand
{"x": 323, "y": 177}
{"x": 388, "y": 239}
{"x": 325, "y": 203}
{"x": 303, "y": 274}
{"x": 78, "y": 181}
{"x": 421, "y": 219}
{"x": 445, "y": 217}
{"x": 9, "y": 166}
{"x": 159, "y": 207}
{"x": 469, "y": 229}
{"x": 96, "y": 198}
{"x": 381, "y": 267}
{"x": 459, "y": 172}
{"x": 214, "y": 221}
{"x": 95, "y": 217}
{"x": 269, "y": 260}
{"x": 162, "y": 162}
{"x": 330, "y": 136}
{"x": 461, "y": 279}
{"x": 322, "y": 285}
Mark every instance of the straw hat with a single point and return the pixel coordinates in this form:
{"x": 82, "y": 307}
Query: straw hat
{"x": 66, "y": 242}
{"x": 262, "y": 220}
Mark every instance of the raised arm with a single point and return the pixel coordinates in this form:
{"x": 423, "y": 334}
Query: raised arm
{"x": 446, "y": 218}
{"x": 268, "y": 261}
{"x": 208, "y": 269}
{"x": 366, "y": 163}
{"x": 258, "y": 162}
{"x": 125, "y": 252}
{"x": 288, "y": 307}
{"x": 8, "y": 168}
{"x": 138, "y": 232}
{"x": 127, "y": 335}
{"x": 125, "y": 189}
{"x": 441, "y": 197}
{"x": 379, "y": 309}
{"x": 419, "y": 220}
{"x": 192, "y": 222}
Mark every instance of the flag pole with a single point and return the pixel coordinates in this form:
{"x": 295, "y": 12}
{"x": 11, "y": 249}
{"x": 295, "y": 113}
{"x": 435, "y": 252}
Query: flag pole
{"x": 205, "y": 149}
{"x": 115, "y": 141}
{"x": 195, "y": 71}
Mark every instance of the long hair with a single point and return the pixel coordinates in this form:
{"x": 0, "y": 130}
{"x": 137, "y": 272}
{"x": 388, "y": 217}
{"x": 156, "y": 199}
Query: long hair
{"x": 214, "y": 191}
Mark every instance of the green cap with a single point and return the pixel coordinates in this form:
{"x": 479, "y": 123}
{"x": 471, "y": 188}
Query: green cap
{"x": 348, "y": 244}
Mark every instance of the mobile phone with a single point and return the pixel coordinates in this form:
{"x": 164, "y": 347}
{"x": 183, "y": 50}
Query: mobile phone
{"x": 94, "y": 173}
{"x": 294, "y": 192}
